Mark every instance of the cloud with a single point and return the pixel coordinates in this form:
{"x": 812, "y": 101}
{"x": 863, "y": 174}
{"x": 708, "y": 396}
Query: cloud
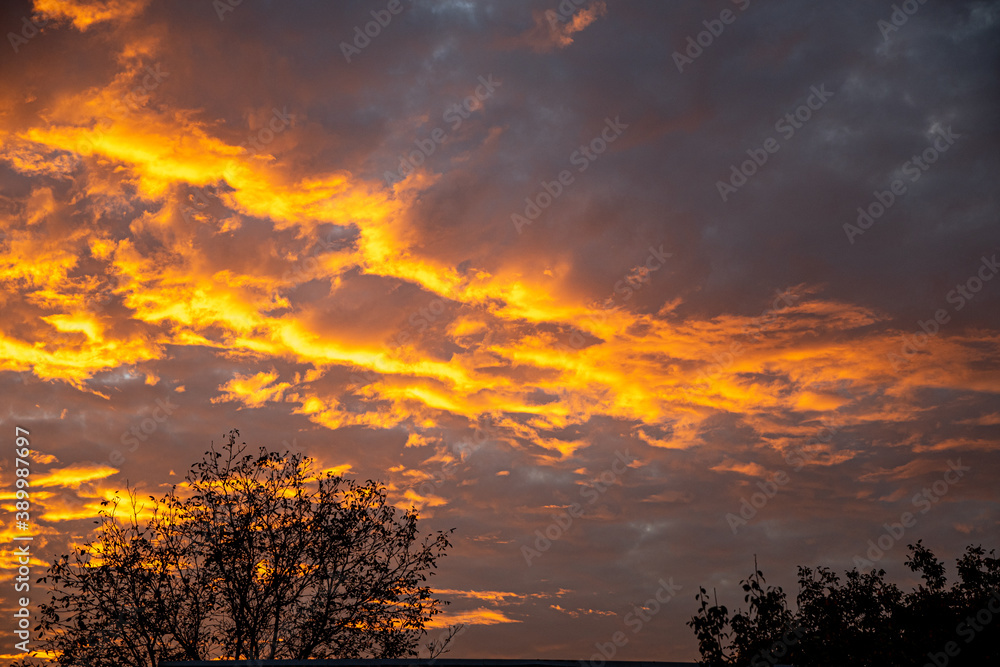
{"x": 83, "y": 14}
{"x": 199, "y": 205}
{"x": 73, "y": 476}
{"x": 480, "y": 616}
{"x": 553, "y": 29}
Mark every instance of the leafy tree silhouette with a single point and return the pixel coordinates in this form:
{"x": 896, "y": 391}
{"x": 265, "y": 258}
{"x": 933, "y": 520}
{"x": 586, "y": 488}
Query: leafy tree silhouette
{"x": 256, "y": 557}
{"x": 862, "y": 620}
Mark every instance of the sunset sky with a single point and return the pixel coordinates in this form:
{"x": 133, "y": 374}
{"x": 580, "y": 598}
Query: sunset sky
{"x": 577, "y": 279}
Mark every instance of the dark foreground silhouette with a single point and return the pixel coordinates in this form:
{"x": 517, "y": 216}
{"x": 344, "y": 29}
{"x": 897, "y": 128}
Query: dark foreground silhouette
{"x": 256, "y": 556}
{"x": 861, "y": 620}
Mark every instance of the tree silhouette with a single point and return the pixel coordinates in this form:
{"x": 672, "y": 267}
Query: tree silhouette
{"x": 254, "y": 557}
{"x": 863, "y": 620}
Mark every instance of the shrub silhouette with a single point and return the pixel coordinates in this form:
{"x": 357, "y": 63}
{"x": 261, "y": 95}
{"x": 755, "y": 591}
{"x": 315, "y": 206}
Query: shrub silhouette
{"x": 861, "y": 620}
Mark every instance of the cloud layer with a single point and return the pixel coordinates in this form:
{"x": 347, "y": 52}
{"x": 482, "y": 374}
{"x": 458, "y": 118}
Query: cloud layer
{"x": 626, "y": 292}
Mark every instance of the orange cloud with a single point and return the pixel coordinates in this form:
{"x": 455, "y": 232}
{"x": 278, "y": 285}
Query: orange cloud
{"x": 73, "y": 476}
{"x": 83, "y": 14}
{"x": 554, "y": 29}
{"x": 480, "y": 616}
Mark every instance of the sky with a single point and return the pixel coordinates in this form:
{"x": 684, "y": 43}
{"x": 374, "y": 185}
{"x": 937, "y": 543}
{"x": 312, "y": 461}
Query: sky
{"x": 626, "y": 293}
